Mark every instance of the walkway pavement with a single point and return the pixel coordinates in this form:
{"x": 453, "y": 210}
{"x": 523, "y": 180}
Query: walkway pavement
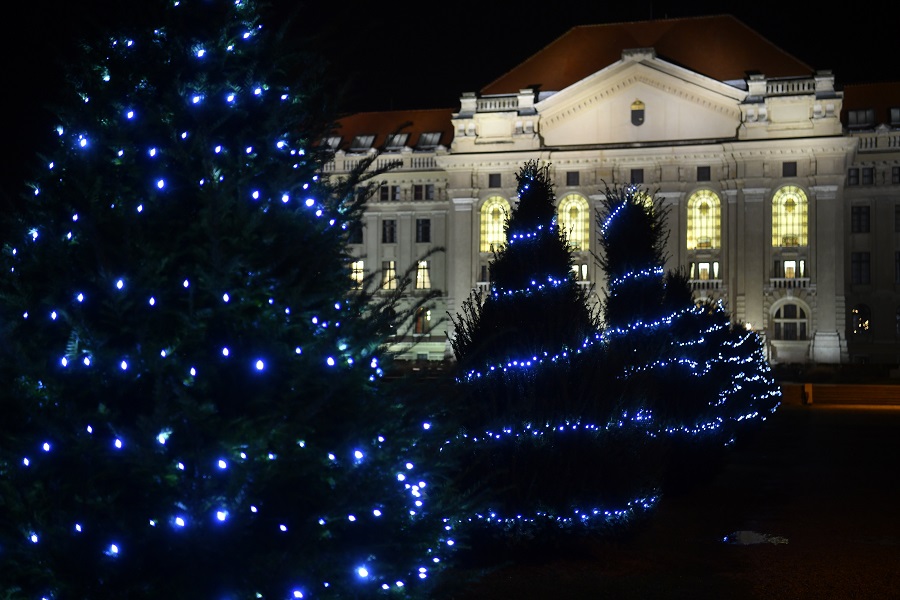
{"x": 808, "y": 509}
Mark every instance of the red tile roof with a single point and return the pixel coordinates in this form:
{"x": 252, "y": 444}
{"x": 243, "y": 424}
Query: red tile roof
{"x": 720, "y": 47}
{"x": 879, "y": 96}
{"x": 384, "y": 123}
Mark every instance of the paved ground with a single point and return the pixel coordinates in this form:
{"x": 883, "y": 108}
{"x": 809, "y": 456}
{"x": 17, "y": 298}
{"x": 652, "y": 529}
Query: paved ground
{"x": 818, "y": 487}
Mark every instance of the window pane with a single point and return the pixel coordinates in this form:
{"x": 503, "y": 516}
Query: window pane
{"x": 790, "y": 269}
{"x": 388, "y": 231}
{"x": 357, "y": 273}
{"x": 704, "y": 221}
{"x": 423, "y": 276}
{"x": 389, "y": 275}
{"x": 423, "y": 230}
{"x": 573, "y": 217}
{"x": 493, "y": 220}
{"x": 789, "y": 217}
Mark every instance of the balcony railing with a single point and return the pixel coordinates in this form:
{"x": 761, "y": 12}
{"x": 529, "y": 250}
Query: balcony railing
{"x": 790, "y": 87}
{"x": 405, "y": 162}
{"x": 877, "y": 140}
{"x": 706, "y": 284}
{"x": 782, "y": 283}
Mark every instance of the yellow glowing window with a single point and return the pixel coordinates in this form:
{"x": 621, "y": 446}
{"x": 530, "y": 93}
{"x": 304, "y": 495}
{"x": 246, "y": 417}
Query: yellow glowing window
{"x": 704, "y": 221}
{"x": 789, "y": 217}
{"x": 573, "y": 217}
{"x": 423, "y": 276}
{"x": 357, "y": 273}
{"x": 389, "y": 275}
{"x": 494, "y": 213}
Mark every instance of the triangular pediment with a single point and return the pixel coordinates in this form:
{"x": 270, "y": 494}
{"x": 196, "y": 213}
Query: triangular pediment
{"x": 676, "y": 104}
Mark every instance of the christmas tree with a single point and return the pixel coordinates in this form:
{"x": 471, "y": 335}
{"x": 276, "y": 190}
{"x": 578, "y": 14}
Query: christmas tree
{"x": 194, "y": 404}
{"x": 544, "y": 446}
{"x": 701, "y": 376}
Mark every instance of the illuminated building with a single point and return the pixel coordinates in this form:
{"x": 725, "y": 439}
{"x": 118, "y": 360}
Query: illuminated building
{"x": 783, "y": 185}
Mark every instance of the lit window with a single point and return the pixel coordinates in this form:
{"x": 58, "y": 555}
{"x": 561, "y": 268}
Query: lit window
{"x": 580, "y": 272}
{"x": 423, "y": 276}
{"x": 789, "y": 217}
{"x": 860, "y": 316}
{"x": 573, "y": 217}
{"x": 704, "y": 271}
{"x": 357, "y": 273}
{"x": 493, "y": 222}
{"x": 389, "y": 275}
{"x": 790, "y": 322}
{"x": 789, "y": 269}
{"x": 704, "y": 221}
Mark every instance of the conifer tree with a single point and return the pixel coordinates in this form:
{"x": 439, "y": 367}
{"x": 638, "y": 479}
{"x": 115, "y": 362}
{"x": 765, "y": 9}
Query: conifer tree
{"x": 534, "y": 419}
{"x": 701, "y": 376}
{"x": 193, "y": 401}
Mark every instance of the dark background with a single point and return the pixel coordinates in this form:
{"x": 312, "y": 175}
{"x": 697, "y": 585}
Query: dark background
{"x": 405, "y": 54}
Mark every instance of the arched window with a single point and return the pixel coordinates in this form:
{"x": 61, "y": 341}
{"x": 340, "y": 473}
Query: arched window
{"x": 573, "y": 217}
{"x": 494, "y": 213}
{"x": 704, "y": 221}
{"x": 789, "y": 217}
{"x": 423, "y": 321}
{"x": 860, "y": 315}
{"x": 790, "y": 320}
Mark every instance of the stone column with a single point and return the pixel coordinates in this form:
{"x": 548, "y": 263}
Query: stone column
{"x": 753, "y": 247}
{"x": 827, "y": 239}
{"x": 461, "y": 247}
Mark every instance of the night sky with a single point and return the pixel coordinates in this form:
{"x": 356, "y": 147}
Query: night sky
{"x": 406, "y": 54}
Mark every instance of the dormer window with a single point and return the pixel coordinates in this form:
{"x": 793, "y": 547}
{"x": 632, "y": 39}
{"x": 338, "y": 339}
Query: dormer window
{"x": 429, "y": 140}
{"x": 396, "y": 141}
{"x": 361, "y": 143}
{"x": 861, "y": 119}
{"x": 333, "y": 142}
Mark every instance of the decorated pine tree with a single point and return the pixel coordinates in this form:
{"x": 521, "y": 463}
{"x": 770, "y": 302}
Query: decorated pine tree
{"x": 544, "y": 445}
{"x": 701, "y": 376}
{"x": 193, "y": 402}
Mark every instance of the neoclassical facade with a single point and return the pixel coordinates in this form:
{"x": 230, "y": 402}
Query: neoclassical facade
{"x": 782, "y": 188}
